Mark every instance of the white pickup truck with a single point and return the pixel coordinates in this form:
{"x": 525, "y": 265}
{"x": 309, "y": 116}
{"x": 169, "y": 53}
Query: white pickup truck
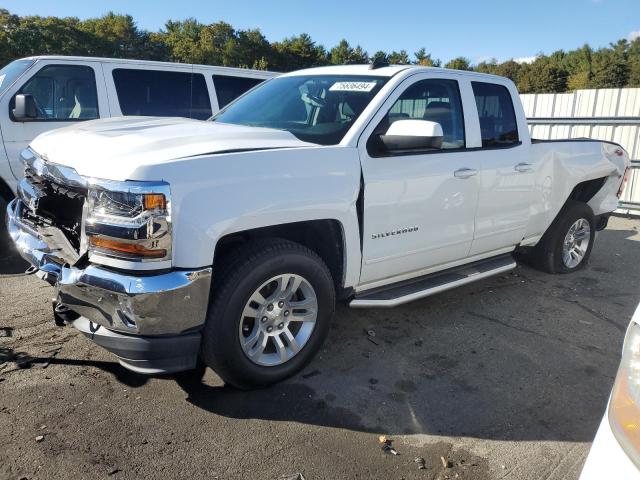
{"x": 230, "y": 240}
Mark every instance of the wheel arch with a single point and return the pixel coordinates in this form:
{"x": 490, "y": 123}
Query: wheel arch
{"x": 326, "y": 237}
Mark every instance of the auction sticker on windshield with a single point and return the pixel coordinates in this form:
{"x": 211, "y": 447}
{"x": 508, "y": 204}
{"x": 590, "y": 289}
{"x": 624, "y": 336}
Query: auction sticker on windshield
{"x": 352, "y": 86}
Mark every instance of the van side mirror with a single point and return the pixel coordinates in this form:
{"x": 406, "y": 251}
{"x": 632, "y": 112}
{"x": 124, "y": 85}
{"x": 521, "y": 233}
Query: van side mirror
{"x": 412, "y": 135}
{"x": 25, "y": 108}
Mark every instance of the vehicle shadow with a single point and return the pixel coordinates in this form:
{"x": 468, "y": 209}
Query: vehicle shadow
{"x": 10, "y": 261}
{"x": 23, "y": 360}
{"x": 522, "y": 356}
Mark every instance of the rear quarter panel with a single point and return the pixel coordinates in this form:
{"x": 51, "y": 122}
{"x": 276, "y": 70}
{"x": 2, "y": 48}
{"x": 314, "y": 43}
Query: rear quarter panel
{"x": 564, "y": 164}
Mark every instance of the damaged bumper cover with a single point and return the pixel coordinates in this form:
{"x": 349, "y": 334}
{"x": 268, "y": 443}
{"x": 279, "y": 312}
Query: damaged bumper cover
{"x": 151, "y": 322}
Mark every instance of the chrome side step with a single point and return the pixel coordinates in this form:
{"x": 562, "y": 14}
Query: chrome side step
{"x": 409, "y": 290}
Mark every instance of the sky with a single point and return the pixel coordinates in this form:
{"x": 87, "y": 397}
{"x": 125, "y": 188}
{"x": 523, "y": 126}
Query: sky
{"x": 476, "y": 29}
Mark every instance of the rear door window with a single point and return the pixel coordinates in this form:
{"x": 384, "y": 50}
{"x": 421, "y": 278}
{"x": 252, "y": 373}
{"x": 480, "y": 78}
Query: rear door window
{"x": 63, "y": 92}
{"x": 497, "y": 117}
{"x": 228, "y": 87}
{"x": 159, "y": 93}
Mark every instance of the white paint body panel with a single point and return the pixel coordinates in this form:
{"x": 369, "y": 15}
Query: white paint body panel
{"x": 279, "y": 179}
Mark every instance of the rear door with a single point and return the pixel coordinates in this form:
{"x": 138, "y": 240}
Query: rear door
{"x": 507, "y": 173}
{"x": 419, "y": 206}
{"x": 65, "y": 92}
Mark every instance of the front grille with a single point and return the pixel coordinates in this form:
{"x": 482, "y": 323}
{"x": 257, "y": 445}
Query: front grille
{"x": 57, "y": 206}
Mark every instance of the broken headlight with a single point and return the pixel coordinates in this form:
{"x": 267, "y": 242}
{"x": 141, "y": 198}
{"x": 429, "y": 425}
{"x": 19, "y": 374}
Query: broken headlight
{"x": 128, "y": 221}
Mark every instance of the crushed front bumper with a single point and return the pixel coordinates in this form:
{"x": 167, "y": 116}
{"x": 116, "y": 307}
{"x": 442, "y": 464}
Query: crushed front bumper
{"x": 151, "y": 322}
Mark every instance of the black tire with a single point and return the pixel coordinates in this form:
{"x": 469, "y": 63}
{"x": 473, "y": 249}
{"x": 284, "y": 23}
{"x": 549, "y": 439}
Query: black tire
{"x": 547, "y": 254}
{"x": 240, "y": 275}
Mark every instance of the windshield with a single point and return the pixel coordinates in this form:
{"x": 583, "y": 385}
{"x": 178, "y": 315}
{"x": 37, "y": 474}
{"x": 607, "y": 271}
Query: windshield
{"x": 315, "y": 108}
{"x": 12, "y": 71}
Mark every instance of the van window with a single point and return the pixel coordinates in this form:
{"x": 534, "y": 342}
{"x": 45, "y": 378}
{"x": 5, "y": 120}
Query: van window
{"x": 228, "y": 87}
{"x": 12, "y": 71}
{"x": 159, "y": 93}
{"x": 63, "y": 92}
{"x": 497, "y": 116}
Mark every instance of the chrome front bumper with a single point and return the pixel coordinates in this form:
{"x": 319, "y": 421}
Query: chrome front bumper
{"x": 144, "y": 305}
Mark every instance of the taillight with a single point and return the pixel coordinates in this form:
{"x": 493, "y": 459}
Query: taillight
{"x": 625, "y": 179}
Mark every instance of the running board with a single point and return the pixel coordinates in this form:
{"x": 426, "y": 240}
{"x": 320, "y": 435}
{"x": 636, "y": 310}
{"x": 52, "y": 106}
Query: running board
{"x": 409, "y": 290}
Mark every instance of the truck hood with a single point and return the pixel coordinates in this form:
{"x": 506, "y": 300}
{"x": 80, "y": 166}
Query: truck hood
{"x": 115, "y": 148}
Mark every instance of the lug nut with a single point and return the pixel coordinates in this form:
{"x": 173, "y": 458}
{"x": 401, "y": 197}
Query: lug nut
{"x": 269, "y": 329}
{"x": 286, "y": 313}
{"x": 270, "y": 307}
{"x": 281, "y": 304}
{"x": 263, "y": 319}
{"x": 280, "y": 326}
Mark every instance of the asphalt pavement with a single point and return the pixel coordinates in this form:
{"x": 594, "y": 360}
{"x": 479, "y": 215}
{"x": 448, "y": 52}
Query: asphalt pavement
{"x": 504, "y": 378}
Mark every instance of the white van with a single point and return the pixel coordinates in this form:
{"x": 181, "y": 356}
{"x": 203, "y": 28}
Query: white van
{"x": 38, "y": 94}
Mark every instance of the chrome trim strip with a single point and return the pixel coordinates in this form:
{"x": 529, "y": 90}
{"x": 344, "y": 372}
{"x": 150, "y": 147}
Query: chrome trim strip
{"x": 430, "y": 291}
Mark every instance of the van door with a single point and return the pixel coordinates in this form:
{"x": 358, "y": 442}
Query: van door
{"x": 65, "y": 92}
{"x": 419, "y": 205}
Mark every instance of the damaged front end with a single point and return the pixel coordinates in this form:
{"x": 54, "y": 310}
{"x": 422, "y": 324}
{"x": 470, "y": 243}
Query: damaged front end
{"x": 142, "y": 310}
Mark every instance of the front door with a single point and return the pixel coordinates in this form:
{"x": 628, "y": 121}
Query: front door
{"x": 419, "y": 206}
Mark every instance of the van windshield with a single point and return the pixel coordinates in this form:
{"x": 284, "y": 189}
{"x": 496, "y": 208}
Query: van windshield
{"x": 315, "y": 108}
{"x": 11, "y": 71}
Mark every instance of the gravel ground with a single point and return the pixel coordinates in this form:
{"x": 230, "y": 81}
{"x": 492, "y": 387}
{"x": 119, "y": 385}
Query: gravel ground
{"x": 505, "y": 378}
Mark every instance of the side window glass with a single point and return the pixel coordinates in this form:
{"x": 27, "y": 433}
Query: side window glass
{"x": 497, "y": 117}
{"x": 228, "y": 87}
{"x": 436, "y": 100}
{"x": 158, "y": 93}
{"x": 63, "y": 92}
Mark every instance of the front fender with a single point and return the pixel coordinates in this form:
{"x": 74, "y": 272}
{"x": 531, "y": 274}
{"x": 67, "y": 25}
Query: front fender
{"x": 216, "y": 195}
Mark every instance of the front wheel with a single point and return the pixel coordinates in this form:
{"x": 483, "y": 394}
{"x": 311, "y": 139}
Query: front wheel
{"x": 567, "y": 244}
{"x": 270, "y": 312}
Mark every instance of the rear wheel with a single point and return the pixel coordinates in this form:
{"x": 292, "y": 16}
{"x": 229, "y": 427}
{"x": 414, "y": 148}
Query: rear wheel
{"x": 270, "y": 312}
{"x": 567, "y": 244}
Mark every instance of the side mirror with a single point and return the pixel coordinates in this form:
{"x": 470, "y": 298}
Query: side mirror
{"x": 25, "y": 108}
{"x": 412, "y": 135}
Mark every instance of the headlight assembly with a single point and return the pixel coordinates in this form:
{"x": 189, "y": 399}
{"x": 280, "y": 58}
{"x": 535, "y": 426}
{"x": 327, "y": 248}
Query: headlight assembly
{"x": 129, "y": 221}
{"x": 624, "y": 406}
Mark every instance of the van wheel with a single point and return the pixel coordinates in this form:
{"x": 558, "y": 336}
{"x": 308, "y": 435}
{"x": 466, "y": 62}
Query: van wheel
{"x": 567, "y": 244}
{"x": 270, "y": 312}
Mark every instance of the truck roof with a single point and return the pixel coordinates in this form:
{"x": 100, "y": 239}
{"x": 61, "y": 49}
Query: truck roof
{"x": 387, "y": 71}
{"x": 263, "y": 73}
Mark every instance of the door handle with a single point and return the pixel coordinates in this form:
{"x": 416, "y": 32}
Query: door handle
{"x": 523, "y": 167}
{"x": 465, "y": 173}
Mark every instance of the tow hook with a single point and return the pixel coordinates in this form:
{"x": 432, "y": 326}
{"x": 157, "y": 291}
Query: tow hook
{"x": 62, "y": 314}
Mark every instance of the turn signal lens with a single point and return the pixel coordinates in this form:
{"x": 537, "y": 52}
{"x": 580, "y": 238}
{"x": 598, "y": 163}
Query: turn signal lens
{"x": 133, "y": 249}
{"x": 155, "y": 201}
{"x": 624, "y": 407}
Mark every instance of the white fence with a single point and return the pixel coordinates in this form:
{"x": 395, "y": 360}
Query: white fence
{"x": 607, "y": 114}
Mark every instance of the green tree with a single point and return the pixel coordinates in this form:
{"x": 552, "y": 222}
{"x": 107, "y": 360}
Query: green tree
{"x": 399, "y": 58}
{"x": 459, "y": 63}
{"x": 609, "y": 66}
{"x": 298, "y": 52}
{"x": 423, "y": 58}
{"x": 344, "y": 54}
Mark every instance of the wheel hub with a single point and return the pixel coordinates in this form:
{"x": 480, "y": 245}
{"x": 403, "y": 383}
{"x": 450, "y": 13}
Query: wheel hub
{"x": 278, "y": 319}
{"x": 576, "y": 243}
